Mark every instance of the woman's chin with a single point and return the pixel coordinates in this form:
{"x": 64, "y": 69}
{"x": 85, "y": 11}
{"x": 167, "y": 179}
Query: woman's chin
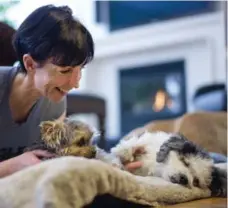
{"x": 56, "y": 98}
{"x": 55, "y": 95}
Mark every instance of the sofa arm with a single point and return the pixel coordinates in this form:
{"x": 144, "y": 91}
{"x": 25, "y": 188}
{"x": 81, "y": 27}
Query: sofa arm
{"x": 207, "y": 129}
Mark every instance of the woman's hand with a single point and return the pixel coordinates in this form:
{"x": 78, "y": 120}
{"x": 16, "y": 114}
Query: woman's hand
{"x": 30, "y": 158}
{"x": 22, "y": 161}
{"x": 131, "y": 167}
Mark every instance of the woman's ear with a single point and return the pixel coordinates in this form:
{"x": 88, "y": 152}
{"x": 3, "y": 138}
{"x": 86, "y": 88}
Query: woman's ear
{"x": 29, "y": 63}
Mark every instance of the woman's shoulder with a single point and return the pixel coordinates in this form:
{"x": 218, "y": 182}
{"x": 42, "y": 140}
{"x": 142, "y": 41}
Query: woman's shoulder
{"x": 6, "y": 72}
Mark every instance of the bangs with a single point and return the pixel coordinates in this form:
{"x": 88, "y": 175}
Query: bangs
{"x": 52, "y": 34}
{"x": 74, "y": 46}
{"x": 66, "y": 54}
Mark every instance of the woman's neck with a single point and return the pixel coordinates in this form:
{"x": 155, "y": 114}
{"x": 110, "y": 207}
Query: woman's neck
{"x": 23, "y": 96}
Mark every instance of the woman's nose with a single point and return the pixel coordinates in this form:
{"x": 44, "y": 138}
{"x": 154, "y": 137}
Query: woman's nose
{"x": 75, "y": 78}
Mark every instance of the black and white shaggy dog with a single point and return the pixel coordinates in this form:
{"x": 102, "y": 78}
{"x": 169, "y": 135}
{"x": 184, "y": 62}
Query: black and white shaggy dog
{"x": 172, "y": 157}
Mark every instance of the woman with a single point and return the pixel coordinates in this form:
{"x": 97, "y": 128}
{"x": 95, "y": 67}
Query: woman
{"x": 52, "y": 47}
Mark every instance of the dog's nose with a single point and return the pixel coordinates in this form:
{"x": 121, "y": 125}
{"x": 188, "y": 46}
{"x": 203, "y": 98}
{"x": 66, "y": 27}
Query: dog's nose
{"x": 179, "y": 179}
{"x": 183, "y": 179}
{"x": 93, "y": 153}
{"x": 196, "y": 182}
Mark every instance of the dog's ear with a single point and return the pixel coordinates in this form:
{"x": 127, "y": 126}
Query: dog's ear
{"x": 46, "y": 126}
{"x": 53, "y": 133}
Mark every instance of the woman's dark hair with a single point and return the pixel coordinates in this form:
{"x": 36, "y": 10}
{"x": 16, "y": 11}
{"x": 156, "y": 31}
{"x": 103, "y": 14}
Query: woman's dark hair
{"x": 52, "y": 32}
{"x": 8, "y": 56}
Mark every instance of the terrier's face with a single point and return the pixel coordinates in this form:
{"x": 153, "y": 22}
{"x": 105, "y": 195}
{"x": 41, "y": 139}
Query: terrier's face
{"x": 69, "y": 137}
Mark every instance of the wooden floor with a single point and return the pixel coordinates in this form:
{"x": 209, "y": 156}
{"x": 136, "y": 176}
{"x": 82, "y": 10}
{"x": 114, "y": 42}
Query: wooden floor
{"x": 203, "y": 203}
{"x": 108, "y": 201}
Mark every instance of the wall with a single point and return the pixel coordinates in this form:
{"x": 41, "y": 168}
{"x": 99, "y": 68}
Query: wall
{"x": 199, "y": 40}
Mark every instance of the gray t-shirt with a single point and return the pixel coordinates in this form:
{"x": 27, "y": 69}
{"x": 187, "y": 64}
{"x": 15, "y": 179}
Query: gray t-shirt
{"x": 14, "y": 136}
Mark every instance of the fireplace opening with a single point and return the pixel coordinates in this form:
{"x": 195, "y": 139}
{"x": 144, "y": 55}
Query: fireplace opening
{"x": 153, "y": 92}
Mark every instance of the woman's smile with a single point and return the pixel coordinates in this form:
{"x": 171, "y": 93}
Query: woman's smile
{"x": 62, "y": 91}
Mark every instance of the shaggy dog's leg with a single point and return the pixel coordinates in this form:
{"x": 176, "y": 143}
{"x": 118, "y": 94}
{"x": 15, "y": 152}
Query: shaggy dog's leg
{"x": 108, "y": 158}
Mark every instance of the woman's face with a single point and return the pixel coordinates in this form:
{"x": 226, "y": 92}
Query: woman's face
{"x": 50, "y": 80}
{"x": 54, "y": 82}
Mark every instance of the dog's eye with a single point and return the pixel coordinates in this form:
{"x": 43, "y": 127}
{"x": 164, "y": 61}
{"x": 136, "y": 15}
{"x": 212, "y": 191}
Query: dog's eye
{"x": 81, "y": 142}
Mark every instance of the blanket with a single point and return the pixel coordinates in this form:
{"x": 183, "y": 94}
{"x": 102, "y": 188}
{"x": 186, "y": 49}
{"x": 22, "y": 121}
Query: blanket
{"x": 74, "y": 182}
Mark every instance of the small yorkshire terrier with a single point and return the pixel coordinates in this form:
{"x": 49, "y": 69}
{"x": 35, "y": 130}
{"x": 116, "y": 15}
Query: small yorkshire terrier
{"x": 67, "y": 138}
{"x": 169, "y": 156}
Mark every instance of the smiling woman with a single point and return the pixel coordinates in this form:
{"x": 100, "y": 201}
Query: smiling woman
{"x": 52, "y": 47}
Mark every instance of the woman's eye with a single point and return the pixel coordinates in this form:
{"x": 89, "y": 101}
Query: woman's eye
{"x": 65, "y": 72}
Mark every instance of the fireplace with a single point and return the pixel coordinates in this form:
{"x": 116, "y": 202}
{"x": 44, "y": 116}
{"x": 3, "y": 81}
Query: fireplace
{"x": 150, "y": 93}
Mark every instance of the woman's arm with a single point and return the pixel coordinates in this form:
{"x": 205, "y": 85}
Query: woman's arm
{"x": 22, "y": 161}
{"x": 7, "y": 167}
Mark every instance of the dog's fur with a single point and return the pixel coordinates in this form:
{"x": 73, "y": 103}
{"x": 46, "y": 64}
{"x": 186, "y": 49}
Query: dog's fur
{"x": 67, "y": 138}
{"x": 206, "y": 129}
{"x": 174, "y": 158}
{"x": 170, "y": 156}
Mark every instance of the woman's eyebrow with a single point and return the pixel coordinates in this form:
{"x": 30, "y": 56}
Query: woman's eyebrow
{"x": 66, "y": 68}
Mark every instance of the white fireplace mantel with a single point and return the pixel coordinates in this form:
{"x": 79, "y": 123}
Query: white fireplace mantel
{"x": 199, "y": 40}
{"x": 160, "y": 34}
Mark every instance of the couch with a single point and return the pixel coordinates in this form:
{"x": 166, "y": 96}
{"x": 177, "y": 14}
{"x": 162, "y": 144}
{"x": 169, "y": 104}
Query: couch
{"x": 207, "y": 129}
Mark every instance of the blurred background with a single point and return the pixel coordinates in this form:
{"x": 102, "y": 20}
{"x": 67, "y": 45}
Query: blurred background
{"x": 154, "y": 60}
